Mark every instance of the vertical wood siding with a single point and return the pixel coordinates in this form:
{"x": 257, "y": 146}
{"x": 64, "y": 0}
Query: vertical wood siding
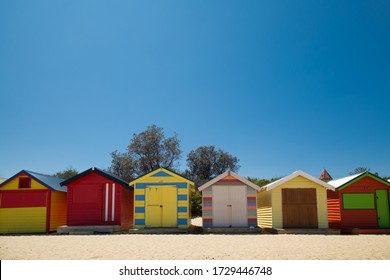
{"x": 299, "y": 182}
{"x": 264, "y": 209}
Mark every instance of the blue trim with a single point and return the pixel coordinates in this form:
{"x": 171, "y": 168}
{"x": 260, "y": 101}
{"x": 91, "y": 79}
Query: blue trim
{"x": 182, "y": 222}
{"x": 161, "y": 174}
{"x": 182, "y": 197}
{"x": 139, "y": 209}
{"x": 177, "y": 184}
{"x": 139, "y": 222}
{"x": 183, "y": 209}
{"x": 181, "y": 185}
{"x": 140, "y": 197}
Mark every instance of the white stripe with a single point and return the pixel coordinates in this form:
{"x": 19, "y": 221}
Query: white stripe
{"x": 113, "y": 202}
{"x": 106, "y": 208}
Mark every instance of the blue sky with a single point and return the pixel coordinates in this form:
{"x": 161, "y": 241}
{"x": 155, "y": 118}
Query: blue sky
{"x": 282, "y": 85}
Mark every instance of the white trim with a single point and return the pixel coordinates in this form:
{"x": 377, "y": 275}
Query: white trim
{"x": 296, "y": 174}
{"x": 231, "y": 173}
{"x": 113, "y": 203}
{"x": 106, "y": 208}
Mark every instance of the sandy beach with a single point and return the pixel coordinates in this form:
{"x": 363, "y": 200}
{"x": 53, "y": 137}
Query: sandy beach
{"x": 194, "y": 247}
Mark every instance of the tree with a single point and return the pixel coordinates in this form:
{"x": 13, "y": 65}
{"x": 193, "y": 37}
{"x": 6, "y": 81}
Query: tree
{"x": 66, "y": 174}
{"x": 358, "y": 170}
{"x": 262, "y": 182}
{"x": 122, "y": 165}
{"x": 146, "y": 152}
{"x": 207, "y": 162}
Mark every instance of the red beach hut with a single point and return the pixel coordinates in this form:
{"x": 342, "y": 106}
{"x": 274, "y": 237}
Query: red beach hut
{"x": 98, "y": 201}
{"x": 360, "y": 204}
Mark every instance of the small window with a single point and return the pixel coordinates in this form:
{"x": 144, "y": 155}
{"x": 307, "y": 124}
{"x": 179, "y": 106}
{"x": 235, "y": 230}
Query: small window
{"x": 358, "y": 201}
{"x": 24, "y": 182}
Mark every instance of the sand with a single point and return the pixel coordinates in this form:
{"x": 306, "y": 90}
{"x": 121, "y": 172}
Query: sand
{"x": 194, "y": 247}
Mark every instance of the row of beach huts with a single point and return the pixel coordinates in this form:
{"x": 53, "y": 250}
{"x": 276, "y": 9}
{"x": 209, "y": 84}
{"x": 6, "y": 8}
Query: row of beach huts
{"x": 97, "y": 201}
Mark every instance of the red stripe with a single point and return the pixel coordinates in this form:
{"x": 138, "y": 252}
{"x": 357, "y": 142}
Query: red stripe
{"x": 48, "y": 208}
{"x": 23, "y": 198}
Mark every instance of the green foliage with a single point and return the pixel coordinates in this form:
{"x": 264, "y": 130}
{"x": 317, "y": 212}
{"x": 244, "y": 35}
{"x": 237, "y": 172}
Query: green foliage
{"x": 146, "y": 152}
{"x": 196, "y": 204}
{"x": 66, "y": 174}
{"x": 262, "y": 182}
{"x": 207, "y": 162}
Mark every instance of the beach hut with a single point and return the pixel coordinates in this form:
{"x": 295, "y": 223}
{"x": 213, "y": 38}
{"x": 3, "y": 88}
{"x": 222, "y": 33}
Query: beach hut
{"x": 98, "y": 198}
{"x": 360, "y": 201}
{"x": 32, "y": 203}
{"x": 229, "y": 201}
{"x": 296, "y": 201}
{"x": 162, "y": 200}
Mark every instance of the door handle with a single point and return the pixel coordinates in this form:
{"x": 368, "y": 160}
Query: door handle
{"x": 161, "y": 206}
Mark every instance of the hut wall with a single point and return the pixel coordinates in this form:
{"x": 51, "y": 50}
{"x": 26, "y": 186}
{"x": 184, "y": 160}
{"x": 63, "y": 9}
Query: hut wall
{"x": 264, "y": 209}
{"x": 299, "y": 182}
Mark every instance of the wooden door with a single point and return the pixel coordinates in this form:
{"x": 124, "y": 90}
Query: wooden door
{"x": 169, "y": 206}
{"x": 230, "y": 206}
{"x": 382, "y": 205}
{"x": 299, "y": 207}
{"x": 161, "y": 206}
{"x": 238, "y": 200}
{"x": 221, "y": 207}
{"x": 153, "y": 211}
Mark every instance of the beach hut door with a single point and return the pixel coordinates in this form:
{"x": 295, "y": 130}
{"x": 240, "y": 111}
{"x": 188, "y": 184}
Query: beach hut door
{"x": 229, "y": 206}
{"x": 383, "y": 212}
{"x": 161, "y": 206}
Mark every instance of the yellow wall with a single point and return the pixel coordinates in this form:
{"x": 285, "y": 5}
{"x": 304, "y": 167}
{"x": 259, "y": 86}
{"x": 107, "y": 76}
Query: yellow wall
{"x": 264, "y": 209}
{"x": 299, "y": 182}
{"x": 23, "y": 220}
{"x": 167, "y": 178}
{"x": 14, "y": 185}
{"x": 58, "y": 210}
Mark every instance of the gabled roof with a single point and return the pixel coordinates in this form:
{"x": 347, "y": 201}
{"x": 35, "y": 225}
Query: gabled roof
{"x": 346, "y": 181}
{"x": 283, "y": 180}
{"x": 97, "y": 171}
{"x": 160, "y": 172}
{"x": 2, "y": 179}
{"x": 51, "y": 182}
{"x": 229, "y": 173}
{"x": 325, "y": 176}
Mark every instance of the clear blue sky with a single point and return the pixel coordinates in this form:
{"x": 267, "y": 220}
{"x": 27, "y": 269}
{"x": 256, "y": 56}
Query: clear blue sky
{"x": 282, "y": 85}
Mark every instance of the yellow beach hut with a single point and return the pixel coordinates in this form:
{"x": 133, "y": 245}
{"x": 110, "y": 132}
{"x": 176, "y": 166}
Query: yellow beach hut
{"x": 32, "y": 203}
{"x": 298, "y": 200}
{"x": 162, "y": 200}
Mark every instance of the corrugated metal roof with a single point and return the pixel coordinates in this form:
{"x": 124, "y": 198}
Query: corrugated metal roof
{"x": 50, "y": 181}
{"x": 339, "y": 182}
